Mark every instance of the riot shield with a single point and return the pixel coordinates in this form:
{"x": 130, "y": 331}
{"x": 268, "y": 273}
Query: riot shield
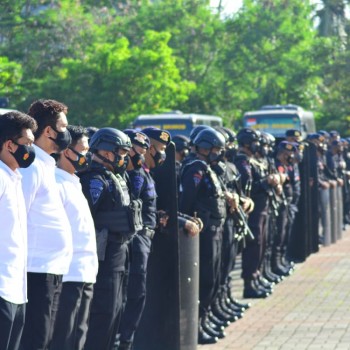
{"x": 189, "y": 291}
{"x": 326, "y": 215}
{"x": 334, "y": 217}
{"x": 304, "y": 235}
{"x": 170, "y": 319}
{"x": 160, "y": 325}
{"x": 340, "y": 211}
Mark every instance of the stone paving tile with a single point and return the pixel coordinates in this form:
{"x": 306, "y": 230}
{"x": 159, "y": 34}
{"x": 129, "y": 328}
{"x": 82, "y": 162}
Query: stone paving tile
{"x": 309, "y": 310}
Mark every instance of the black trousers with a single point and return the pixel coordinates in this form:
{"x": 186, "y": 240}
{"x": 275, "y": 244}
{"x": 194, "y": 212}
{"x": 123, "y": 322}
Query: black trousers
{"x": 72, "y": 318}
{"x": 210, "y": 265}
{"x": 136, "y": 289}
{"x": 44, "y": 291}
{"x": 107, "y": 302}
{"x": 11, "y": 324}
{"x": 254, "y": 252}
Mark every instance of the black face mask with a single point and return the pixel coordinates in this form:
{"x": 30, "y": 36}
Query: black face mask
{"x": 62, "y": 140}
{"x": 125, "y": 165}
{"x": 24, "y": 155}
{"x": 159, "y": 158}
{"x": 83, "y": 161}
{"x": 118, "y": 164}
{"x": 263, "y": 151}
{"x": 254, "y": 147}
{"x": 215, "y": 157}
{"x": 137, "y": 160}
{"x": 230, "y": 153}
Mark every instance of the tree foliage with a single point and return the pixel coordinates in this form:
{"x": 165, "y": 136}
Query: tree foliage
{"x": 110, "y": 61}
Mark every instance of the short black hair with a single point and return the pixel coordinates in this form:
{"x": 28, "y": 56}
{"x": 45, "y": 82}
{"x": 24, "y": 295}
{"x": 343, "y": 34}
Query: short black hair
{"x": 46, "y": 113}
{"x": 76, "y": 132}
{"x": 12, "y": 124}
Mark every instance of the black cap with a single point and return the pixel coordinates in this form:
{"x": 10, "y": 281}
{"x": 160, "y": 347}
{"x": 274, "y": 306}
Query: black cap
{"x": 138, "y": 138}
{"x": 159, "y": 135}
{"x": 293, "y": 133}
{"x": 288, "y": 146}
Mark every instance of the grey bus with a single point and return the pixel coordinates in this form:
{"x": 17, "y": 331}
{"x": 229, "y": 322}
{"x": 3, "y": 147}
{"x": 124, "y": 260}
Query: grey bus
{"x": 176, "y": 123}
{"x": 276, "y": 119}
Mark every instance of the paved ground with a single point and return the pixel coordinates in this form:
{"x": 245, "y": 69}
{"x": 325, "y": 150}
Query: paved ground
{"x": 309, "y": 310}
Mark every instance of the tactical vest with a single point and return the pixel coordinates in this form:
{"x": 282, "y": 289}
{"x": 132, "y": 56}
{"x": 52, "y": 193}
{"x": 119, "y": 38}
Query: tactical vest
{"x": 210, "y": 201}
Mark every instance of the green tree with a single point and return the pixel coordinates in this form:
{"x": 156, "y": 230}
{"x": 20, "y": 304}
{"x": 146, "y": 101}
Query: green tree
{"x": 114, "y": 82}
{"x": 10, "y": 77}
{"x": 272, "y": 57}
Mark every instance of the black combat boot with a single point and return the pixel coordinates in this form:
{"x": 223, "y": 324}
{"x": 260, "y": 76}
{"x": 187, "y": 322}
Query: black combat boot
{"x": 203, "y": 337}
{"x": 220, "y": 313}
{"x": 219, "y": 323}
{"x": 251, "y": 291}
{"x": 277, "y": 267}
{"x": 267, "y": 270}
{"x": 211, "y": 329}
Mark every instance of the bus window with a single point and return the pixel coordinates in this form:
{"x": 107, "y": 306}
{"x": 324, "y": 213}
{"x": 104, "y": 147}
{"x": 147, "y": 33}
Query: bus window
{"x": 176, "y": 124}
{"x": 276, "y": 124}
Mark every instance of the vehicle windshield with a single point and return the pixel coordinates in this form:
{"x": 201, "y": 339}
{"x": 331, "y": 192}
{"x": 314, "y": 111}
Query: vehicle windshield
{"x": 275, "y": 124}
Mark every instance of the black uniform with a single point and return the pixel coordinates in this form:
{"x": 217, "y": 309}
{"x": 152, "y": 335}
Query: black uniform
{"x": 143, "y": 187}
{"x": 108, "y": 198}
{"x": 255, "y": 171}
{"x": 202, "y": 194}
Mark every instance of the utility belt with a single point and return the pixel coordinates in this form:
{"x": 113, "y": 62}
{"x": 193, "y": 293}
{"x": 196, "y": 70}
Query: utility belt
{"x": 147, "y": 232}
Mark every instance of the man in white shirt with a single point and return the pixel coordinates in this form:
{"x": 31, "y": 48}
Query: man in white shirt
{"x": 16, "y": 138}
{"x": 73, "y": 312}
{"x": 49, "y": 232}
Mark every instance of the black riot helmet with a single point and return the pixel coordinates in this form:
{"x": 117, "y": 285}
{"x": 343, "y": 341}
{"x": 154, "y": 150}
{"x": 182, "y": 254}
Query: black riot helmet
{"x": 209, "y": 138}
{"x": 196, "y": 130}
{"x": 232, "y": 137}
{"x": 247, "y": 136}
{"x": 109, "y": 139}
{"x": 182, "y": 142}
{"x": 112, "y": 140}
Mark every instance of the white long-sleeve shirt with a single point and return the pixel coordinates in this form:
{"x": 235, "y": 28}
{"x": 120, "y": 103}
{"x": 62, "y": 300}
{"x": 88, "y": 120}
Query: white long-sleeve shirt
{"x": 49, "y": 232}
{"x": 84, "y": 264}
{"x": 13, "y": 237}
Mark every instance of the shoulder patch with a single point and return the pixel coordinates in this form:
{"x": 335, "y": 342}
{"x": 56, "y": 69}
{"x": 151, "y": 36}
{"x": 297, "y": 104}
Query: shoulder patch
{"x": 96, "y": 188}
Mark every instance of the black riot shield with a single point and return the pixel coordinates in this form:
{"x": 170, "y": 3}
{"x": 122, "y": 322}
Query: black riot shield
{"x": 160, "y": 325}
{"x": 327, "y": 213}
{"x": 170, "y": 319}
{"x": 334, "y": 217}
{"x": 340, "y": 211}
{"x": 304, "y": 236}
{"x": 189, "y": 291}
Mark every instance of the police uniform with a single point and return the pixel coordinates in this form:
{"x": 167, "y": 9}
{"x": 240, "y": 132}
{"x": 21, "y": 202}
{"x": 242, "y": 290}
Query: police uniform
{"x": 256, "y": 172}
{"x": 107, "y": 194}
{"x": 143, "y": 187}
{"x": 202, "y": 194}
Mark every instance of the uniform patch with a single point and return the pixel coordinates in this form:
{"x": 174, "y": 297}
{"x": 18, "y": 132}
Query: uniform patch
{"x": 197, "y": 179}
{"x": 96, "y": 189}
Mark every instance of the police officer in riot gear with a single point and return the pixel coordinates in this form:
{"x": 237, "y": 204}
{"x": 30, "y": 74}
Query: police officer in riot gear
{"x": 143, "y": 187}
{"x": 285, "y": 160}
{"x": 323, "y": 183}
{"x": 109, "y": 200}
{"x": 235, "y": 226}
{"x": 203, "y": 195}
{"x": 182, "y": 149}
{"x": 255, "y": 172}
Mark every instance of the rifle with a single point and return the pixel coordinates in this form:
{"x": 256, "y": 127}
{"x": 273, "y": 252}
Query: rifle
{"x": 241, "y": 223}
